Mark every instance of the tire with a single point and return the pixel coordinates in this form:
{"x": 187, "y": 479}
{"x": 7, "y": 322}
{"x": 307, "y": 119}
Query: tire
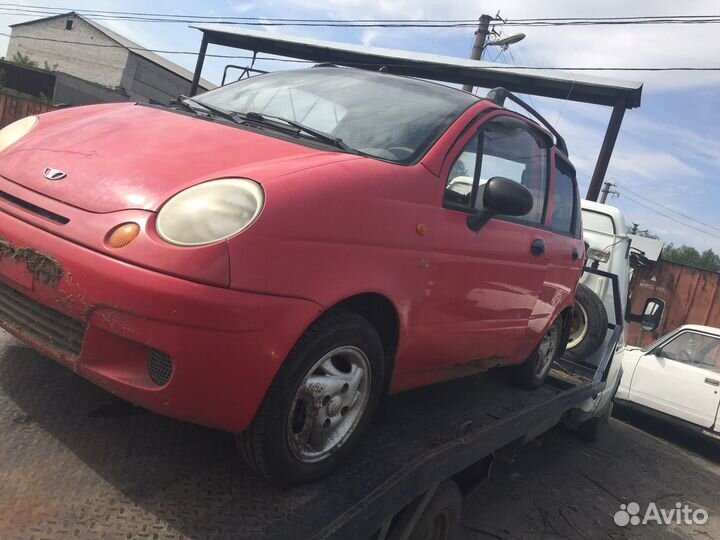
{"x": 320, "y": 402}
{"x": 439, "y": 521}
{"x": 589, "y": 326}
{"x": 531, "y": 374}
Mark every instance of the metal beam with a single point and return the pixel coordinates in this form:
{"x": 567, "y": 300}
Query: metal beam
{"x": 538, "y": 82}
{"x": 199, "y": 65}
{"x": 606, "y": 150}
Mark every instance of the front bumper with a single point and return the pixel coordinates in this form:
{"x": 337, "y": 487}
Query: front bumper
{"x": 226, "y": 346}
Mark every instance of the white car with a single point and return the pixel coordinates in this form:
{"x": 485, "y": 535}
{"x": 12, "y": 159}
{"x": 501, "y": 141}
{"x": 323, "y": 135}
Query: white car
{"x": 678, "y": 377}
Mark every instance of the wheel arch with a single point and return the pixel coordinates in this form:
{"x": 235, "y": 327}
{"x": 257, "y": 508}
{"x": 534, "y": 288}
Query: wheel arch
{"x": 566, "y": 315}
{"x": 382, "y": 314}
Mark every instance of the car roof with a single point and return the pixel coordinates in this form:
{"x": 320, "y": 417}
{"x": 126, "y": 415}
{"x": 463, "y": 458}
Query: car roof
{"x": 701, "y": 328}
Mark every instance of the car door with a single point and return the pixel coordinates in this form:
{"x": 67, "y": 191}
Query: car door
{"x": 565, "y": 250}
{"x": 485, "y": 285}
{"x": 681, "y": 377}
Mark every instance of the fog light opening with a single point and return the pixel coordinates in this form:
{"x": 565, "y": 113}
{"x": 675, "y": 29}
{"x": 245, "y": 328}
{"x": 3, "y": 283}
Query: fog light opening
{"x": 160, "y": 367}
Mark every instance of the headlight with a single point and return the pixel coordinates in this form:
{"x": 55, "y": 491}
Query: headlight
{"x": 210, "y": 212}
{"x": 598, "y": 255}
{"x": 12, "y": 133}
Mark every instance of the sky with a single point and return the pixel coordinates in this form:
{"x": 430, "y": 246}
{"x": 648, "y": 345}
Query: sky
{"x": 668, "y": 150}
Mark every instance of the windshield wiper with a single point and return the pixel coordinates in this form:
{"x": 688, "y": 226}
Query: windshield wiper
{"x": 266, "y": 119}
{"x": 215, "y": 111}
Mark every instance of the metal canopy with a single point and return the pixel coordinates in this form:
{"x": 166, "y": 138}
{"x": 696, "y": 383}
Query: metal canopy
{"x": 540, "y": 82}
{"x": 620, "y": 95}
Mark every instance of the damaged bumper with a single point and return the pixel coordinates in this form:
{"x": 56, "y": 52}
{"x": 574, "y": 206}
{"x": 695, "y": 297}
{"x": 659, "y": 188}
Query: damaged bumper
{"x": 217, "y": 350}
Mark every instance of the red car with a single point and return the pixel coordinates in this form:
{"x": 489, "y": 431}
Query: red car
{"x": 273, "y": 257}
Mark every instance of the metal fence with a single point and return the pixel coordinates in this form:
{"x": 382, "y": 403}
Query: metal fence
{"x": 691, "y": 295}
{"x": 14, "y": 108}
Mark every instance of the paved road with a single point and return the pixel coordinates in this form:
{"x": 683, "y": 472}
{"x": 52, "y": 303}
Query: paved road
{"x": 76, "y": 462}
{"x": 561, "y": 487}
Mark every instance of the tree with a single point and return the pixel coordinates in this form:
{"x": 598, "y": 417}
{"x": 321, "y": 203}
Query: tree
{"x": 688, "y": 255}
{"x": 24, "y": 60}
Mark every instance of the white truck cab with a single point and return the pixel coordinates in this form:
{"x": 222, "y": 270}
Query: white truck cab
{"x": 608, "y": 249}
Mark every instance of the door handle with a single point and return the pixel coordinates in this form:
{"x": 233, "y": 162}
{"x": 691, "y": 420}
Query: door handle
{"x": 575, "y": 254}
{"x": 537, "y": 248}
{"x": 712, "y": 382}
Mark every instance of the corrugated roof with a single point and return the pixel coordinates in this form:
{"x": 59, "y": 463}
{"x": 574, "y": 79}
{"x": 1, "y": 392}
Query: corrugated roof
{"x": 130, "y": 45}
{"x": 543, "y": 82}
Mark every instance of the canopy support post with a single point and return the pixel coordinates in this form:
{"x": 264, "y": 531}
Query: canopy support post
{"x": 199, "y": 65}
{"x": 606, "y": 150}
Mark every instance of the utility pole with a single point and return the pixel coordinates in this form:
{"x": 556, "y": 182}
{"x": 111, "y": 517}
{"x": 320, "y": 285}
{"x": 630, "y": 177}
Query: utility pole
{"x": 607, "y": 191}
{"x": 479, "y": 44}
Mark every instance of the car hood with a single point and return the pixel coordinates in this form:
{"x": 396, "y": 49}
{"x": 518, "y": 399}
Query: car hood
{"x": 126, "y": 156}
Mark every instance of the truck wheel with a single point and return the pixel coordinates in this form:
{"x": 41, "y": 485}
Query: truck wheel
{"x": 590, "y": 430}
{"x": 320, "y": 402}
{"x": 589, "y": 325}
{"x": 439, "y": 521}
{"x": 532, "y": 373}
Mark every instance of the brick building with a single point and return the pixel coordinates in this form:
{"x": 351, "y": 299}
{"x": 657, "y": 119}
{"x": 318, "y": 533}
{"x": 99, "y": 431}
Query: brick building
{"x": 78, "y": 46}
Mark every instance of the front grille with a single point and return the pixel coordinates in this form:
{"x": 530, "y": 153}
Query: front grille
{"x": 160, "y": 367}
{"x": 39, "y": 323}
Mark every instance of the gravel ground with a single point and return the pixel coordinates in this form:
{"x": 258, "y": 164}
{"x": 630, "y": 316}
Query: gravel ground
{"x": 76, "y": 462}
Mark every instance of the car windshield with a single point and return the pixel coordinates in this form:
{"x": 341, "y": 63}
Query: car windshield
{"x": 385, "y": 116}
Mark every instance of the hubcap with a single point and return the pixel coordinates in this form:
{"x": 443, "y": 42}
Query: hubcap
{"x": 579, "y": 327}
{"x": 328, "y": 404}
{"x": 546, "y": 351}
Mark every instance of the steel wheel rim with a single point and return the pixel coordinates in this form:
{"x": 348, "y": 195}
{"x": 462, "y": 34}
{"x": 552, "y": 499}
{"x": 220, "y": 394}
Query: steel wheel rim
{"x": 546, "y": 350}
{"x": 328, "y": 404}
{"x": 579, "y": 331}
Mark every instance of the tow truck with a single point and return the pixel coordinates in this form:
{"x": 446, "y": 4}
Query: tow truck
{"x": 435, "y": 445}
{"x": 410, "y": 475}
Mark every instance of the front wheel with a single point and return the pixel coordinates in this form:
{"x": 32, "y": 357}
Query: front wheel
{"x": 532, "y": 373}
{"x": 320, "y": 402}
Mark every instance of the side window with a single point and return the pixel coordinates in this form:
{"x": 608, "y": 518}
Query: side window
{"x": 513, "y": 150}
{"x": 566, "y": 212}
{"x": 692, "y": 348}
{"x": 459, "y": 188}
{"x": 509, "y": 148}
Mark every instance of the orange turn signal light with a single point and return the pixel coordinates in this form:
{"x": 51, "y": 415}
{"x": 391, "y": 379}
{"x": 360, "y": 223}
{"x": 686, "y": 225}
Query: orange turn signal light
{"x": 122, "y": 235}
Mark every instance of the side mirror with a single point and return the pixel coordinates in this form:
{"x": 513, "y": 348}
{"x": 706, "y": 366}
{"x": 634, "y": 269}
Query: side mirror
{"x": 501, "y": 196}
{"x": 651, "y": 316}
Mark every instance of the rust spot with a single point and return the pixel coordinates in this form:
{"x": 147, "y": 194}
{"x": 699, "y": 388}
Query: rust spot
{"x": 478, "y": 365}
{"x": 42, "y": 267}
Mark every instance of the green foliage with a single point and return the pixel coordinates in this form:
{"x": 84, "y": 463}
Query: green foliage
{"x": 48, "y": 67}
{"x": 23, "y": 60}
{"x": 707, "y": 260}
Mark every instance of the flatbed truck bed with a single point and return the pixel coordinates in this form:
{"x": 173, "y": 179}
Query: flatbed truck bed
{"x": 425, "y": 437}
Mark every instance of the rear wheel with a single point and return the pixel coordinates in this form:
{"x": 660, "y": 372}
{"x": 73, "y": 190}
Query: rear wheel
{"x": 589, "y": 325}
{"x": 532, "y": 373}
{"x": 439, "y": 521}
{"x": 320, "y": 402}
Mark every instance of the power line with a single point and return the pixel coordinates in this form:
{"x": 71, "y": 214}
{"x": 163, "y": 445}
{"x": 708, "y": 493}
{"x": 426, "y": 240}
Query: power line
{"x": 137, "y": 16}
{"x": 672, "y": 218}
{"x": 195, "y": 53}
{"x": 668, "y": 208}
